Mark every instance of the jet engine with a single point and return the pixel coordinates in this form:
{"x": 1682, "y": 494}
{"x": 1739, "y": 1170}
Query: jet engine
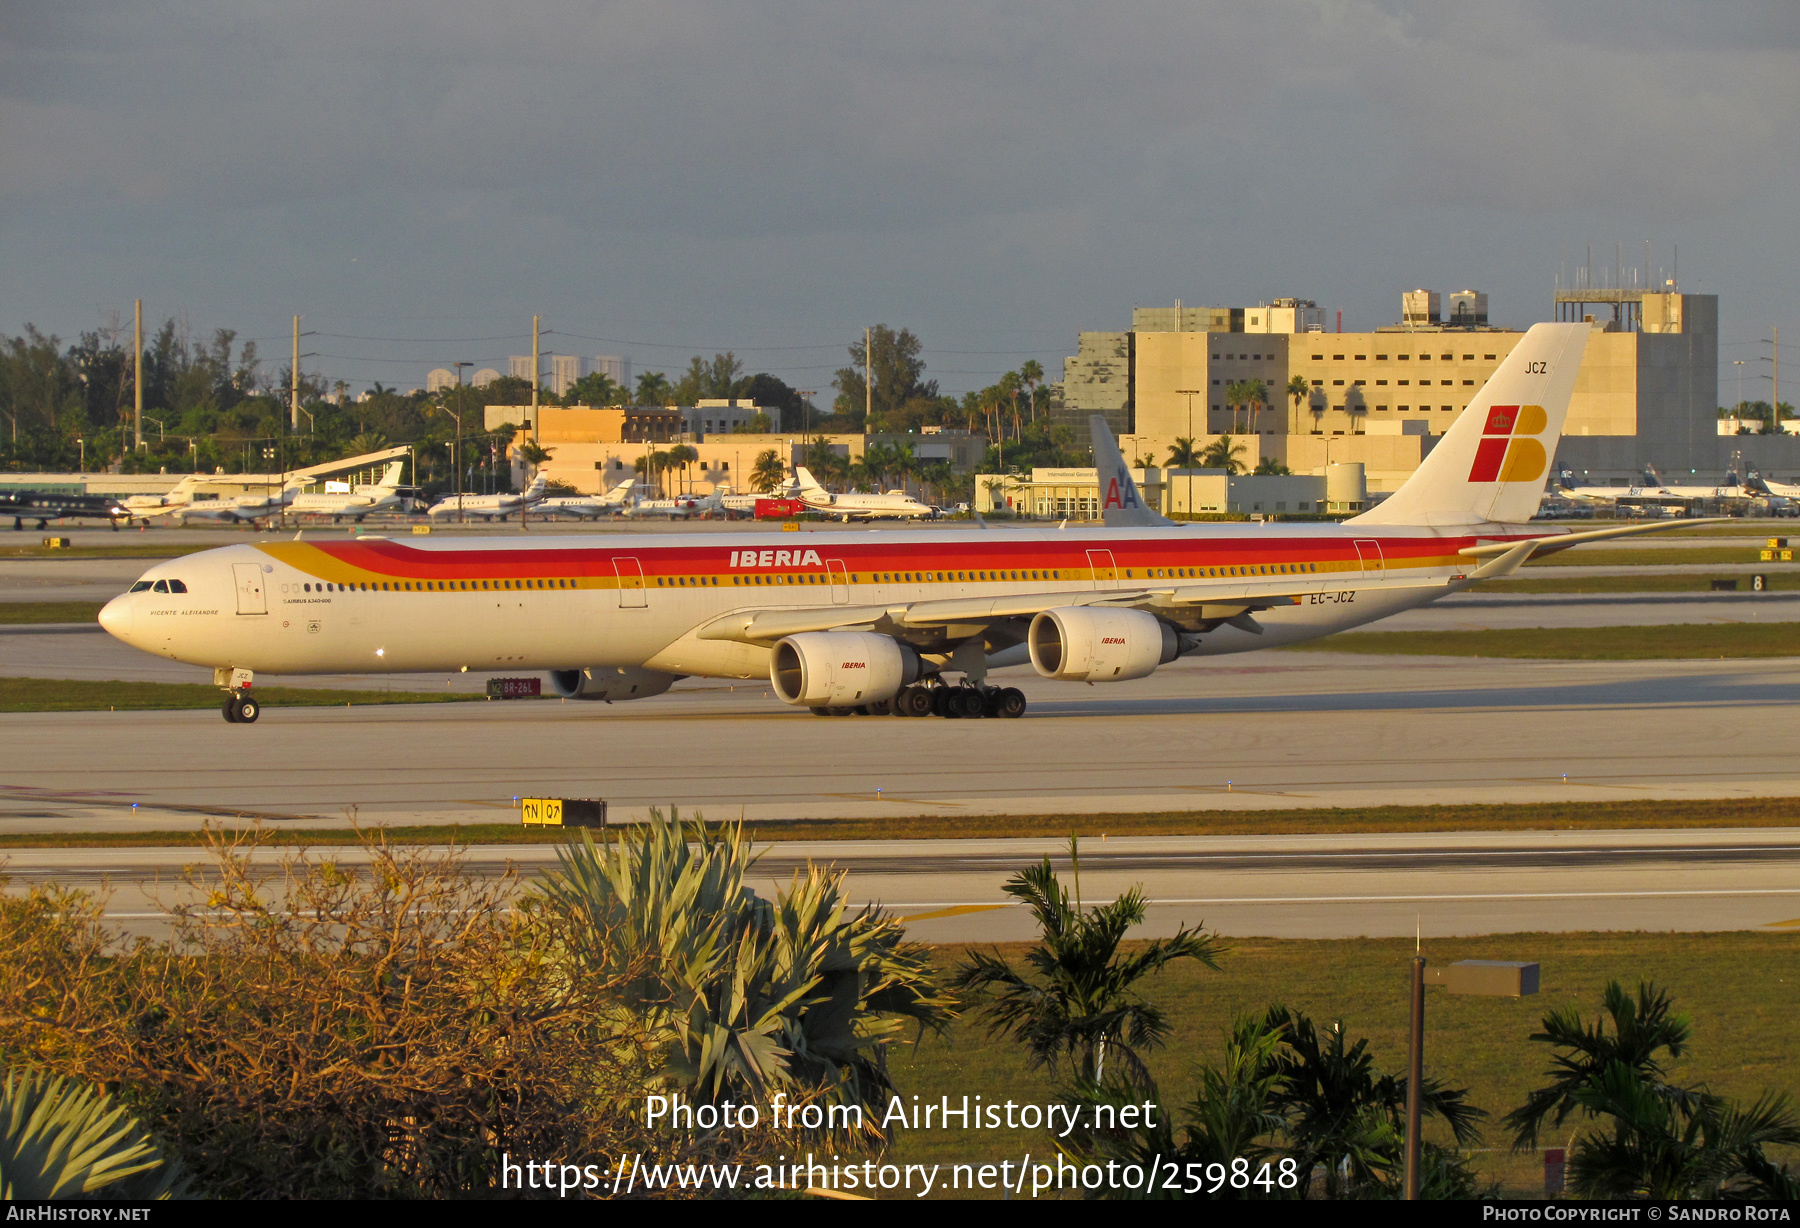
{"x": 602, "y": 682}
{"x": 840, "y": 669}
{"x": 1085, "y": 644}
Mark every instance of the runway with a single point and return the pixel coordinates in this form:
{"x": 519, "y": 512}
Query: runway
{"x": 1283, "y": 730}
{"x": 1437, "y": 884}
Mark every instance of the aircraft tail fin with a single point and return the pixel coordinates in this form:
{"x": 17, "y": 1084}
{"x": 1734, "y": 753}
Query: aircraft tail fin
{"x": 1491, "y": 466}
{"x": 391, "y": 477}
{"x": 806, "y": 479}
{"x": 1121, "y": 504}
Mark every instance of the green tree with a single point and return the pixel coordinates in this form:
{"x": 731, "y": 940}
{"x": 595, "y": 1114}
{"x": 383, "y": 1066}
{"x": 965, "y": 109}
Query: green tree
{"x": 744, "y": 995}
{"x": 1081, "y": 1003}
{"x": 1300, "y": 393}
{"x": 680, "y": 457}
{"x": 1646, "y": 1032}
{"x": 1031, "y": 373}
{"x": 653, "y": 388}
{"x": 1269, "y": 466}
{"x": 1672, "y": 1147}
{"x": 1223, "y": 453}
{"x": 1183, "y": 455}
{"x": 595, "y": 388}
{"x": 768, "y": 472}
{"x": 898, "y": 376}
{"x": 708, "y": 381}
{"x": 61, "y": 1138}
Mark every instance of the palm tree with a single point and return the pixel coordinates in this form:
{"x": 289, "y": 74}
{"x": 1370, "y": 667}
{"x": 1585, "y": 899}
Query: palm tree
{"x": 1083, "y": 1004}
{"x": 1184, "y": 455}
{"x": 1688, "y": 1146}
{"x": 1256, "y": 399}
{"x": 532, "y": 453}
{"x": 744, "y": 995}
{"x": 1341, "y": 1114}
{"x": 653, "y": 388}
{"x": 768, "y": 472}
{"x": 1223, "y": 453}
{"x": 1299, "y": 392}
{"x": 681, "y": 456}
{"x": 1031, "y": 371}
{"x": 363, "y": 444}
{"x": 60, "y": 1138}
{"x": 1643, "y": 1032}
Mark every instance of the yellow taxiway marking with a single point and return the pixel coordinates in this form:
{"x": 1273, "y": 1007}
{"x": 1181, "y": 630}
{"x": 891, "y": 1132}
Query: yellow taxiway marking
{"x": 1783, "y": 925}
{"x": 958, "y": 911}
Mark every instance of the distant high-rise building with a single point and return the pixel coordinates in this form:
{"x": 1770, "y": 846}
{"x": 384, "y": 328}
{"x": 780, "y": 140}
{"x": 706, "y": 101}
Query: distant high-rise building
{"x": 487, "y": 375}
{"x": 439, "y": 379}
{"x": 614, "y": 368}
{"x": 519, "y": 366}
{"x": 565, "y": 369}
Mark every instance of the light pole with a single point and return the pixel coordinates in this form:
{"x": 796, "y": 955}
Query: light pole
{"x": 1191, "y": 393}
{"x": 1739, "y": 364}
{"x": 82, "y": 444}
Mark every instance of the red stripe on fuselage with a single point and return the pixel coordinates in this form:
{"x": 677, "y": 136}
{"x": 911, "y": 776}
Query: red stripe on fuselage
{"x": 399, "y": 561}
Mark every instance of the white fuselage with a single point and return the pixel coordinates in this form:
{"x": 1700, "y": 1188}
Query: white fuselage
{"x": 640, "y": 601}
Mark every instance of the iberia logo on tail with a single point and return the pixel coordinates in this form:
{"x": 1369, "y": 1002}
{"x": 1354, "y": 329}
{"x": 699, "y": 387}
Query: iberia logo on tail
{"x": 1507, "y": 453}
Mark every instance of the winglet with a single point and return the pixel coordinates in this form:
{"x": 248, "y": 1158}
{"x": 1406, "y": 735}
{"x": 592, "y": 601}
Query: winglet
{"x": 1121, "y": 504}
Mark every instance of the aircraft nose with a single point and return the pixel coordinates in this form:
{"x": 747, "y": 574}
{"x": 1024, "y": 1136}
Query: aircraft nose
{"x": 115, "y": 618}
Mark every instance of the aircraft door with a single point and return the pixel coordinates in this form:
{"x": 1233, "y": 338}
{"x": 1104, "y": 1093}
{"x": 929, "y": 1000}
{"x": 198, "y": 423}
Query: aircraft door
{"x": 840, "y": 581}
{"x": 249, "y": 578}
{"x": 631, "y": 584}
{"x": 1105, "y": 569}
{"x": 1373, "y": 565}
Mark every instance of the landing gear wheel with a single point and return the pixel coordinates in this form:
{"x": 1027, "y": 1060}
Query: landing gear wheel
{"x": 913, "y": 701}
{"x": 247, "y": 709}
{"x": 881, "y": 707}
{"x": 967, "y": 702}
{"x": 941, "y": 704}
{"x": 229, "y": 709}
{"x": 1012, "y": 703}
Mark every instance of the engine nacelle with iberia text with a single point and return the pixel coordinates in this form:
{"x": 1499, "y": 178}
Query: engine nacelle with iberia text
{"x": 840, "y": 669}
{"x": 1085, "y": 644}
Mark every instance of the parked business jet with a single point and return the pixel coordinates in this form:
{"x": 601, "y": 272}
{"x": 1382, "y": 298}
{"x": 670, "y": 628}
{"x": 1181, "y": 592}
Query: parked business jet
{"x": 856, "y": 505}
{"x": 241, "y": 509}
{"x": 589, "y": 507}
{"x": 44, "y": 506}
{"x": 880, "y": 622}
{"x": 387, "y": 495}
{"x": 490, "y": 506}
{"x": 679, "y": 507}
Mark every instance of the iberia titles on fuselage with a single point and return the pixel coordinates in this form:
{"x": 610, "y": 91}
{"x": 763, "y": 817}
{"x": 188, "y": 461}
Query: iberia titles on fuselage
{"x": 881, "y": 620}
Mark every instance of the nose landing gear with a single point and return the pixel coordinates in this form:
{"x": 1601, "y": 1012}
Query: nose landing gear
{"x": 240, "y": 707}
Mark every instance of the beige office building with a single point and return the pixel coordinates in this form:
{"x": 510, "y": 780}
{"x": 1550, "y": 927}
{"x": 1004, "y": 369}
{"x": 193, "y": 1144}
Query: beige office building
{"x": 1647, "y": 391}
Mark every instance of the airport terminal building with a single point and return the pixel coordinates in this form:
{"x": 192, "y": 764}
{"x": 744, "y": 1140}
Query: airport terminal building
{"x": 1647, "y": 393}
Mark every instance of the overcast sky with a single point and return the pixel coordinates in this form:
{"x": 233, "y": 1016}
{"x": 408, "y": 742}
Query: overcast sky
{"x": 661, "y": 178}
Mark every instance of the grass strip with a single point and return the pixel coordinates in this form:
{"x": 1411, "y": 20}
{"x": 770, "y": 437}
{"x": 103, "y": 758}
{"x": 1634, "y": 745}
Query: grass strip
{"x": 145, "y": 550}
{"x": 1689, "y": 641}
{"x": 20, "y": 613}
{"x": 1601, "y": 556}
{"x": 1331, "y": 820}
{"x": 65, "y": 695}
{"x": 1738, "y": 988}
{"x": 1654, "y": 582}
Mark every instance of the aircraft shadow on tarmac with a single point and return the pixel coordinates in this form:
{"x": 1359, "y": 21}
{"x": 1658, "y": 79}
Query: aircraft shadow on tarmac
{"x": 1735, "y": 689}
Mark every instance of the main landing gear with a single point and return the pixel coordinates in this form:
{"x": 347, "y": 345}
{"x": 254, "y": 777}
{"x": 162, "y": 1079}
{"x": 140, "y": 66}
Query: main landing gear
{"x": 951, "y": 702}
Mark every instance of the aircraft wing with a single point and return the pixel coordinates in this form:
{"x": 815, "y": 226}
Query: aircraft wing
{"x": 1225, "y": 602}
{"x": 1553, "y": 542}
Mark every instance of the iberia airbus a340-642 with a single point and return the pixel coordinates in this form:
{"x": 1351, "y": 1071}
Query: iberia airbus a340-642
{"x": 904, "y": 622}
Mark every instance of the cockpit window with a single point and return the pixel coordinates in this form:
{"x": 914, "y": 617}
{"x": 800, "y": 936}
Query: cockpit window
{"x": 141, "y": 586}
{"x": 176, "y": 586}
{"x": 162, "y": 586}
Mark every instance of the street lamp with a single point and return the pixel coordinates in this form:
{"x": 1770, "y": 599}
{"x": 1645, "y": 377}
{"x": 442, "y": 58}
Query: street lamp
{"x": 1190, "y": 393}
{"x": 82, "y": 444}
{"x": 1493, "y": 978}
